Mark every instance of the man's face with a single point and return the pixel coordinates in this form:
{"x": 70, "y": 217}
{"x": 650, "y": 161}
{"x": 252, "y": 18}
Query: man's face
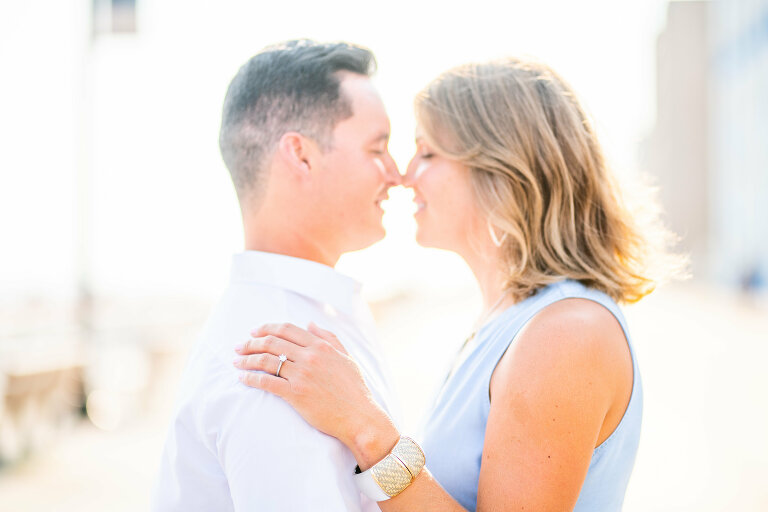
{"x": 357, "y": 171}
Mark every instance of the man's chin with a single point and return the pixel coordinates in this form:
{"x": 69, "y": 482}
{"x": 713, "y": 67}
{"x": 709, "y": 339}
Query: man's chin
{"x": 371, "y": 237}
{"x": 377, "y": 235}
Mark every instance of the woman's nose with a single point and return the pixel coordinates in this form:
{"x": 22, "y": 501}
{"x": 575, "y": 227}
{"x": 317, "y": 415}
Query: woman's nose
{"x": 410, "y": 173}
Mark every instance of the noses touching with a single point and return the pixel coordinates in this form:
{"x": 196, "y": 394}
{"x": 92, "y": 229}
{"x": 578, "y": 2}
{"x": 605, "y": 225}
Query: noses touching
{"x": 393, "y": 177}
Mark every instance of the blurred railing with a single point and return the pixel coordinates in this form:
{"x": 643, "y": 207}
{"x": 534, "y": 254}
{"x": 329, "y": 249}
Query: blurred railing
{"x": 54, "y": 371}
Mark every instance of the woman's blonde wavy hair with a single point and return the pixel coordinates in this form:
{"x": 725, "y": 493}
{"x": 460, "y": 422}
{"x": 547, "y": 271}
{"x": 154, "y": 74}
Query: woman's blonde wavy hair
{"x": 540, "y": 176}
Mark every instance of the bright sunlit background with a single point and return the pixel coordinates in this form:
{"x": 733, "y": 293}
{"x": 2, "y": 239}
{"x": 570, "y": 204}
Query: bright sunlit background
{"x": 117, "y": 220}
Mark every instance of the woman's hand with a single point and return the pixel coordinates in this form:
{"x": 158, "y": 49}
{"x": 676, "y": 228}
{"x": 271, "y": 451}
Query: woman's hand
{"x": 326, "y": 387}
{"x": 322, "y": 383}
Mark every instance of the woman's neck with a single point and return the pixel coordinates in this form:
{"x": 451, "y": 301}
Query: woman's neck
{"x": 488, "y": 269}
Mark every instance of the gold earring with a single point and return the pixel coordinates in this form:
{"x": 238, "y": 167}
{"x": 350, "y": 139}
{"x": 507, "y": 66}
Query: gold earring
{"x": 496, "y": 241}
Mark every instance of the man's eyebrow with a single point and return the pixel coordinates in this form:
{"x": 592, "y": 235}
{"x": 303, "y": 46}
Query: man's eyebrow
{"x": 383, "y": 136}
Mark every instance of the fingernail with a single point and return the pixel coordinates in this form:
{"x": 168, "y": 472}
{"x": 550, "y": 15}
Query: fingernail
{"x": 241, "y": 376}
{"x": 239, "y": 347}
{"x": 236, "y": 361}
{"x": 255, "y": 332}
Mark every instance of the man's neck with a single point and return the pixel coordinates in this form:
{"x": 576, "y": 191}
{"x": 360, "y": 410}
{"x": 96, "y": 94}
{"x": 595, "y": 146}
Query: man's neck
{"x": 277, "y": 238}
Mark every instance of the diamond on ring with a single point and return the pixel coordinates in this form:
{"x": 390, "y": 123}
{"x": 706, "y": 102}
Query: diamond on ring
{"x": 282, "y": 358}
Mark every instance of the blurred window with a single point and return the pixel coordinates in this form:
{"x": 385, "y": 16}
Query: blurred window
{"x": 114, "y": 17}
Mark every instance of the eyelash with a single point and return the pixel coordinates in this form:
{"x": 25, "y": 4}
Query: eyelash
{"x": 427, "y": 156}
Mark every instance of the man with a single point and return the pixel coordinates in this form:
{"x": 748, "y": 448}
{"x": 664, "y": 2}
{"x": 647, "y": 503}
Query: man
{"x": 304, "y": 135}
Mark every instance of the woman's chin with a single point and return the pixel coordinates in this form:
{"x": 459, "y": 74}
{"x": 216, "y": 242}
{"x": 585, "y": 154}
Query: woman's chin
{"x": 421, "y": 238}
{"x": 426, "y": 239}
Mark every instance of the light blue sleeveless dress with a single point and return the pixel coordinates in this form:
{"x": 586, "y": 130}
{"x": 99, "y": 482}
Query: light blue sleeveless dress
{"x": 454, "y": 433}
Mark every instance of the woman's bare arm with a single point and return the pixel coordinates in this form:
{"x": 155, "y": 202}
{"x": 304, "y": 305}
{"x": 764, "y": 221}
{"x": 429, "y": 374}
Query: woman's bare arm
{"x": 555, "y": 395}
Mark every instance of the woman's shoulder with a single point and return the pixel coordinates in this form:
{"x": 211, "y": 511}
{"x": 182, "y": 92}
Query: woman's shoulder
{"x": 573, "y": 325}
{"x": 568, "y": 343}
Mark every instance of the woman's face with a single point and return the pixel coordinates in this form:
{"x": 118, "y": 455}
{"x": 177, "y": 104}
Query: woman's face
{"x": 446, "y": 215}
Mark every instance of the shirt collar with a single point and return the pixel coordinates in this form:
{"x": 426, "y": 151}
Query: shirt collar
{"x": 308, "y": 278}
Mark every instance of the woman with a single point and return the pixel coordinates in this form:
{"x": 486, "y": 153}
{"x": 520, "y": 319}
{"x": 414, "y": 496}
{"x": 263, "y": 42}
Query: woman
{"x": 542, "y": 408}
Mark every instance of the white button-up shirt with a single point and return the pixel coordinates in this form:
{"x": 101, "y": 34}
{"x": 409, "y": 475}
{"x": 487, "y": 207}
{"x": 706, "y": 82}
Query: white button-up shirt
{"x": 231, "y": 447}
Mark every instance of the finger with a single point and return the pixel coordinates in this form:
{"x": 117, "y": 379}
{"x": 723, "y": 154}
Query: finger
{"x": 286, "y": 331}
{"x": 264, "y": 362}
{"x": 269, "y": 345}
{"x": 327, "y": 336}
{"x": 266, "y": 382}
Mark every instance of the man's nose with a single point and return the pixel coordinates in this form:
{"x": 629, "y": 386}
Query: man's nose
{"x": 394, "y": 177}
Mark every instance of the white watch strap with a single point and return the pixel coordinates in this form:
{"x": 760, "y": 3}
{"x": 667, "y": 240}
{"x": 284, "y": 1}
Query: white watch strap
{"x": 368, "y": 486}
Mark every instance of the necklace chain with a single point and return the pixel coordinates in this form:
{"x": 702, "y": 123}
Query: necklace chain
{"x": 483, "y": 319}
{"x": 478, "y": 325}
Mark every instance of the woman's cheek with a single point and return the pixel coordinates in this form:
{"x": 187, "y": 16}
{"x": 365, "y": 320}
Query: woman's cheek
{"x": 421, "y": 168}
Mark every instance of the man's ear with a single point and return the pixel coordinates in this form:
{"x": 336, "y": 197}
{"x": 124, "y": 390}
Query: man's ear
{"x": 297, "y": 152}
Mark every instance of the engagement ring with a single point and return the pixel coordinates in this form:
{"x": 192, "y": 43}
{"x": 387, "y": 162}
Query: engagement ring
{"x": 282, "y": 358}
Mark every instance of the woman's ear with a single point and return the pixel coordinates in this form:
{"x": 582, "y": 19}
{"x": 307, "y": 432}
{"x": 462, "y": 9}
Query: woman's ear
{"x": 296, "y": 152}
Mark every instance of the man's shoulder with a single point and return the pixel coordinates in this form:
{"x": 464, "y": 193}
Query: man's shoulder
{"x": 240, "y": 310}
{"x": 235, "y": 420}
{"x": 209, "y": 384}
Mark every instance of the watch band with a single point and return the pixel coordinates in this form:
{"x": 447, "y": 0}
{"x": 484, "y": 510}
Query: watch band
{"x": 368, "y": 486}
{"x": 391, "y": 475}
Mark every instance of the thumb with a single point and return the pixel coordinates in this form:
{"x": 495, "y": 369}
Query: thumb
{"x": 327, "y": 336}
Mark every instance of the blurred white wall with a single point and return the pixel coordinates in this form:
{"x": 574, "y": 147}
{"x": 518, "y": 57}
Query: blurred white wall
{"x": 42, "y": 62}
{"x": 677, "y": 150}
